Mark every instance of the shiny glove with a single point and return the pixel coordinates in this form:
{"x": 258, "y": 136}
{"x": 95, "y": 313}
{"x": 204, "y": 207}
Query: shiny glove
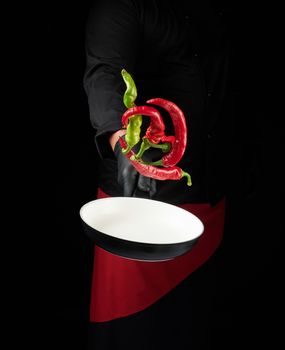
{"x": 133, "y": 183}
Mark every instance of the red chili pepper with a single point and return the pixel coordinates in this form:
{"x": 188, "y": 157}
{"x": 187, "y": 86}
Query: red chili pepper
{"x": 156, "y": 129}
{"x": 154, "y": 136}
{"x": 170, "y": 173}
{"x": 180, "y": 128}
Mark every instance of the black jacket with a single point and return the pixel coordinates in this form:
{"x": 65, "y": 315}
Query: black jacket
{"x": 173, "y": 50}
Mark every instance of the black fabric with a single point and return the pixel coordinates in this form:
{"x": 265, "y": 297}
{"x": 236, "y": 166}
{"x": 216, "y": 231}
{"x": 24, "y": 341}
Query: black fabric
{"x": 175, "y": 51}
{"x": 189, "y": 317}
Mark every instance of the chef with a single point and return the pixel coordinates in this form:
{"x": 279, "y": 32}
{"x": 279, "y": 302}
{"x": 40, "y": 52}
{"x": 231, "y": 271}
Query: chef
{"x": 179, "y": 51}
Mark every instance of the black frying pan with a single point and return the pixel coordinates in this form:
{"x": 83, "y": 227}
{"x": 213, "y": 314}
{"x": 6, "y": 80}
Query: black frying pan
{"x": 140, "y": 229}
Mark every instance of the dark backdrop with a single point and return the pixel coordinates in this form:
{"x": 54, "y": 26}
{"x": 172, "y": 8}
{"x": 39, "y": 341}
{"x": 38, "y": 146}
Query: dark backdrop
{"x": 67, "y": 177}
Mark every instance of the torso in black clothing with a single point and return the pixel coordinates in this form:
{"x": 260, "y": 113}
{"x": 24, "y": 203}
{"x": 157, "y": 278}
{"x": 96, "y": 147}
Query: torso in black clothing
{"x": 182, "y": 56}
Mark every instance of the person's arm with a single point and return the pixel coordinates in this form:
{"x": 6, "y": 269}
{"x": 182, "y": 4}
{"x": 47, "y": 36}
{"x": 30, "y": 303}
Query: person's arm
{"x": 112, "y": 34}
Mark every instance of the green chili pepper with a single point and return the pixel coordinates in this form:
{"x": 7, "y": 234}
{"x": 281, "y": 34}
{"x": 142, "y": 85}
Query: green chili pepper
{"x": 134, "y": 126}
{"x": 130, "y": 94}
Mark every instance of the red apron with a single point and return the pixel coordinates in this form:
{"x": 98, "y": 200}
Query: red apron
{"x": 121, "y": 287}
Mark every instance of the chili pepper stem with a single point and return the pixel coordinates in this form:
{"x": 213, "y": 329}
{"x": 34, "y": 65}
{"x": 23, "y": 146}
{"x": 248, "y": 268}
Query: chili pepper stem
{"x": 184, "y": 174}
{"x": 165, "y": 147}
{"x": 146, "y": 144}
{"x": 156, "y": 163}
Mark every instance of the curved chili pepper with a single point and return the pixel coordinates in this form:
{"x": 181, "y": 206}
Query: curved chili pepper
{"x": 180, "y": 128}
{"x": 156, "y": 129}
{"x": 154, "y": 133}
{"x": 134, "y": 125}
{"x": 170, "y": 173}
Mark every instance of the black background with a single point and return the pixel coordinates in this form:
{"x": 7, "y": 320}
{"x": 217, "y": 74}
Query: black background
{"x": 61, "y": 170}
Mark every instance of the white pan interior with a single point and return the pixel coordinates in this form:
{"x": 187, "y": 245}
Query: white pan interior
{"x": 141, "y": 220}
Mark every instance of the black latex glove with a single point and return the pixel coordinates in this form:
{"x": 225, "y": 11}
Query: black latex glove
{"x": 133, "y": 183}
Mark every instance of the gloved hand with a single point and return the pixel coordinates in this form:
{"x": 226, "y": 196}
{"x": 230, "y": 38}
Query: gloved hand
{"x": 133, "y": 183}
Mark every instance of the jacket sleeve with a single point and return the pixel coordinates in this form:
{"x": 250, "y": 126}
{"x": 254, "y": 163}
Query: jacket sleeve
{"x": 111, "y": 44}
